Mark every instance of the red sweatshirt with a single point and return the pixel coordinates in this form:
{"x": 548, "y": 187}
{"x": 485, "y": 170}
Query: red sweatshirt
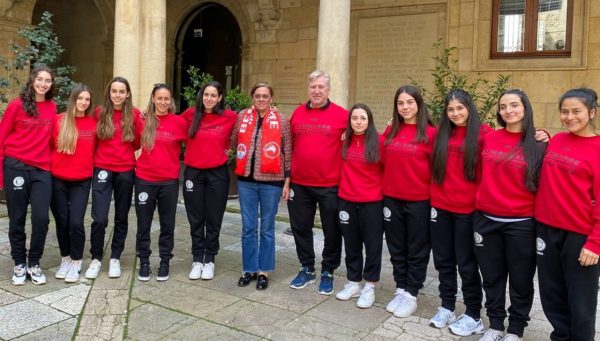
{"x": 114, "y": 154}
{"x": 456, "y": 194}
{"x": 502, "y": 190}
{"x": 570, "y": 185}
{"x": 407, "y": 169}
{"x": 80, "y": 165}
{"x": 161, "y": 163}
{"x": 210, "y": 146}
{"x": 317, "y": 145}
{"x": 25, "y": 138}
{"x": 361, "y": 181}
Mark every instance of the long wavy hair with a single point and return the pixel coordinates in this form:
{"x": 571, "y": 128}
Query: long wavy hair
{"x": 27, "y": 94}
{"x": 533, "y": 151}
{"x": 67, "y": 134}
{"x": 151, "y": 124}
{"x": 423, "y": 119}
{"x": 446, "y": 129}
{"x": 106, "y": 127}
{"x": 371, "y": 136}
{"x": 218, "y": 109}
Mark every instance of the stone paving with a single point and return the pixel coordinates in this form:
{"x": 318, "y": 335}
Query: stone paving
{"x": 181, "y": 309}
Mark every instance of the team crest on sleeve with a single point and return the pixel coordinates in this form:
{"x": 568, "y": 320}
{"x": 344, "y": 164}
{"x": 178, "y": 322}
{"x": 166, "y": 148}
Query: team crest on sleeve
{"x": 540, "y": 246}
{"x": 272, "y": 150}
{"x": 189, "y": 185}
{"x": 386, "y": 213}
{"x": 344, "y": 217}
{"x": 433, "y": 214}
{"x": 18, "y": 181}
{"x": 241, "y": 151}
{"x": 142, "y": 197}
{"x": 478, "y": 239}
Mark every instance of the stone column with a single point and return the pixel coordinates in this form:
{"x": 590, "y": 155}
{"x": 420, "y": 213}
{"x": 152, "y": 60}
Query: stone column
{"x": 153, "y": 50}
{"x": 333, "y": 46}
{"x": 127, "y": 44}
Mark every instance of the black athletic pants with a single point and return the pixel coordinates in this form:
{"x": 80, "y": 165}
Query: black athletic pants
{"x": 23, "y": 185}
{"x": 569, "y": 291}
{"x": 104, "y": 183}
{"x": 205, "y": 193}
{"x": 506, "y": 250}
{"x": 302, "y": 206}
{"x": 69, "y": 202}
{"x": 406, "y": 226}
{"x": 452, "y": 246}
{"x": 362, "y": 224}
{"x": 149, "y": 196}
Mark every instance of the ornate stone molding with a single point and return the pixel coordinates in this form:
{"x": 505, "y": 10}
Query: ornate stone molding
{"x": 268, "y": 14}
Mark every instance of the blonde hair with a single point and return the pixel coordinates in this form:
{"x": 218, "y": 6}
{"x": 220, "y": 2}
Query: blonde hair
{"x": 149, "y": 132}
{"x": 106, "y": 127}
{"x": 67, "y": 133}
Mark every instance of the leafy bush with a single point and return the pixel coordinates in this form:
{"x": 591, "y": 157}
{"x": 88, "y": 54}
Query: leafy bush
{"x": 42, "y": 48}
{"x": 235, "y": 99}
{"x": 485, "y": 93}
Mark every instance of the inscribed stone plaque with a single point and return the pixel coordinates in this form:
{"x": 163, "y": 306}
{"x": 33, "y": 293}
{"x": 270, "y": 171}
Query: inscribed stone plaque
{"x": 390, "y": 50}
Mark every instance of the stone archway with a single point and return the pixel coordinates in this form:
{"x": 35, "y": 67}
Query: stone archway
{"x": 210, "y": 39}
{"x": 85, "y": 29}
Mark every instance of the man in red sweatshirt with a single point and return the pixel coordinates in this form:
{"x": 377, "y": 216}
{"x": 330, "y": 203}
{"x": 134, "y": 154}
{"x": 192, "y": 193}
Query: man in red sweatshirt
{"x": 317, "y": 127}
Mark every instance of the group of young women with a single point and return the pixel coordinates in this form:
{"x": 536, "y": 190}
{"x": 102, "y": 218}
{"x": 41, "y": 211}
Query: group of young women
{"x": 489, "y": 203}
{"x": 485, "y": 202}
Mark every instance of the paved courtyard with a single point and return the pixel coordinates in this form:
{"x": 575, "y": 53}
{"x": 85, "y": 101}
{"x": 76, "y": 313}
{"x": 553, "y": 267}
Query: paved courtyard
{"x": 181, "y": 309}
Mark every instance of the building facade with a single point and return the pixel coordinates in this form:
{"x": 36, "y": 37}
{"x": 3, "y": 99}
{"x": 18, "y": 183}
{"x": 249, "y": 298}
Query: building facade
{"x": 370, "y": 47}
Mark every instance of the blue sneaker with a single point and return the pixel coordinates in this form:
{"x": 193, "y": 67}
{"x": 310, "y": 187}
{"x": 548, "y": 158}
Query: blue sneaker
{"x": 326, "y": 285}
{"x": 303, "y": 278}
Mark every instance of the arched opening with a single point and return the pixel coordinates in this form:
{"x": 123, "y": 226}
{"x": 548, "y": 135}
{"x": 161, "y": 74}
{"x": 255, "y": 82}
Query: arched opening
{"x": 209, "y": 39}
{"x": 85, "y": 30}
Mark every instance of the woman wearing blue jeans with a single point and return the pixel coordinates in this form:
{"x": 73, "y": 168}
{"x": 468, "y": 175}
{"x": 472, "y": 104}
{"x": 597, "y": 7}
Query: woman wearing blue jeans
{"x": 261, "y": 137}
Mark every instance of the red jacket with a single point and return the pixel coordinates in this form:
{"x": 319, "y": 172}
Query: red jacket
{"x": 361, "y": 181}
{"x": 80, "y": 164}
{"x": 114, "y": 154}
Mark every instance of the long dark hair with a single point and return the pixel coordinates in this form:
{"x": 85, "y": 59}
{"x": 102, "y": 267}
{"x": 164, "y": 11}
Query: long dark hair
{"x": 106, "y": 128}
{"x": 27, "y": 94}
{"x": 371, "y": 136}
{"x": 200, "y": 106}
{"x": 447, "y": 128}
{"x": 149, "y": 132}
{"x": 423, "y": 119}
{"x": 533, "y": 152}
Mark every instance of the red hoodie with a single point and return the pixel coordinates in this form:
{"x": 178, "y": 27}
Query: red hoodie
{"x": 569, "y": 186}
{"x": 27, "y": 139}
{"x": 209, "y": 148}
{"x": 113, "y": 154}
{"x": 80, "y": 164}
{"x": 361, "y": 181}
{"x": 161, "y": 163}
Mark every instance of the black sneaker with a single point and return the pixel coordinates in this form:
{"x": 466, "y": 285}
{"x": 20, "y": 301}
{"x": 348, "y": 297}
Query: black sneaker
{"x": 144, "y": 274}
{"x": 163, "y": 271}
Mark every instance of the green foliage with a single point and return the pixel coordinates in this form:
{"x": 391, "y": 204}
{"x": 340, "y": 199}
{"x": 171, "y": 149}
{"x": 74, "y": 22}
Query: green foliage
{"x": 237, "y": 100}
{"x": 198, "y": 80}
{"x": 42, "y": 48}
{"x": 484, "y": 92}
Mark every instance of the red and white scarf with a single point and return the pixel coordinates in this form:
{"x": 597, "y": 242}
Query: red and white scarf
{"x": 270, "y": 153}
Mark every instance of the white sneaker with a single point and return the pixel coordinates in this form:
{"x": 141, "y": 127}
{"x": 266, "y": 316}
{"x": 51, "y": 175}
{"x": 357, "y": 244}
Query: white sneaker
{"x": 408, "y": 305}
{"x": 73, "y": 274}
{"x": 19, "y": 274}
{"x": 442, "y": 318}
{"x": 114, "y": 268}
{"x": 492, "y": 335}
{"x": 466, "y": 325}
{"x": 63, "y": 268}
{"x": 93, "y": 269}
{"x": 367, "y": 297}
{"x": 511, "y": 337}
{"x": 395, "y": 302}
{"x": 351, "y": 289}
{"x": 208, "y": 271}
{"x": 36, "y": 275}
{"x": 196, "y": 271}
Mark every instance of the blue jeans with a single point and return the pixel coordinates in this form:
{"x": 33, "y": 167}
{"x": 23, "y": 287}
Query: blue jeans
{"x": 258, "y": 255}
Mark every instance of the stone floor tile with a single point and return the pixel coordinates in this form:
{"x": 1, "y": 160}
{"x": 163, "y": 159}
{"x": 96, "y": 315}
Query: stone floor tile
{"x": 282, "y": 296}
{"x": 310, "y": 328}
{"x": 101, "y": 327}
{"x": 226, "y": 282}
{"x": 7, "y": 297}
{"x": 27, "y": 316}
{"x": 70, "y": 299}
{"x": 61, "y": 331}
{"x": 188, "y": 298}
{"x": 151, "y": 322}
{"x": 347, "y": 314}
{"x": 107, "y": 302}
{"x": 252, "y": 317}
{"x": 208, "y": 331}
